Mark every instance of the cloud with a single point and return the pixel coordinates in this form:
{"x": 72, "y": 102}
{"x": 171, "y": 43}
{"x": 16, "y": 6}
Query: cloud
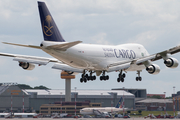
{"x": 100, "y": 38}
{"x": 147, "y": 38}
{"x": 155, "y": 24}
{"x": 30, "y": 79}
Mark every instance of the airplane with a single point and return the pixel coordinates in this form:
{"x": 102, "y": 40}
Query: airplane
{"x": 88, "y": 59}
{"x": 103, "y": 110}
{"x": 22, "y": 115}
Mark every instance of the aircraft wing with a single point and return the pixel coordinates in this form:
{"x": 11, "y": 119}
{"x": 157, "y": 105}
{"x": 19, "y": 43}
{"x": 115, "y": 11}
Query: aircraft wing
{"x": 159, "y": 55}
{"x": 126, "y": 64}
{"x": 30, "y": 59}
{"x": 43, "y": 61}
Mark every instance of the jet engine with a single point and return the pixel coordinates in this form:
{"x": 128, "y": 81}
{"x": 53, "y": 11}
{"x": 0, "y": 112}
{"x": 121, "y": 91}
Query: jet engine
{"x": 26, "y": 66}
{"x": 171, "y": 62}
{"x": 153, "y": 69}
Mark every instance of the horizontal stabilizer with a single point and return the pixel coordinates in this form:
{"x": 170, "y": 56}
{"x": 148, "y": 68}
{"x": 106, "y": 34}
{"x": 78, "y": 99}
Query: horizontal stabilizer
{"x": 63, "y": 46}
{"x": 66, "y": 68}
{"x": 31, "y": 46}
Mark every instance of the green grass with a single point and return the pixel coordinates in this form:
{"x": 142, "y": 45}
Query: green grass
{"x": 146, "y": 113}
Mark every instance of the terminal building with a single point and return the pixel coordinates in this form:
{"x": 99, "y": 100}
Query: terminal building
{"x": 12, "y": 98}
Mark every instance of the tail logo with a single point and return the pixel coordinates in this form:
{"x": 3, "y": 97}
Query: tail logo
{"x": 47, "y": 28}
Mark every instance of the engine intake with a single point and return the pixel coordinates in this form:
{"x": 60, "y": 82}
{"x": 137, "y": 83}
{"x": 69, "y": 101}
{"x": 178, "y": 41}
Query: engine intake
{"x": 171, "y": 62}
{"x": 26, "y": 66}
{"x": 153, "y": 69}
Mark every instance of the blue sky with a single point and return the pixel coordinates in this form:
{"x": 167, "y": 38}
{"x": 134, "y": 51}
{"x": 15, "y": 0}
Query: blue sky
{"x": 154, "y": 24}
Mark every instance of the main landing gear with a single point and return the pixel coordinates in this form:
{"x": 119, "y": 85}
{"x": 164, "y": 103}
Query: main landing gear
{"x": 86, "y": 77}
{"x": 103, "y": 77}
{"x": 121, "y": 77}
{"x": 139, "y": 78}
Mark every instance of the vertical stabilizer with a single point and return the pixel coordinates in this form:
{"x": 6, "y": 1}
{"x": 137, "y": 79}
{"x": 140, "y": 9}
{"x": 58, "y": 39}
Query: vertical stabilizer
{"x": 49, "y": 28}
{"x": 119, "y": 103}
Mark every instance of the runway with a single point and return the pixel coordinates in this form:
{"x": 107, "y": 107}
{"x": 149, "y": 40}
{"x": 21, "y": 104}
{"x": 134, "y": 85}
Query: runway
{"x": 139, "y": 118}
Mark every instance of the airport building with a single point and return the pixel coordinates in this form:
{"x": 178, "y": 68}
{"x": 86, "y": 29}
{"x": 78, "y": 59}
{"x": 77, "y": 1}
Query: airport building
{"x": 17, "y": 100}
{"x": 14, "y": 99}
{"x": 94, "y": 98}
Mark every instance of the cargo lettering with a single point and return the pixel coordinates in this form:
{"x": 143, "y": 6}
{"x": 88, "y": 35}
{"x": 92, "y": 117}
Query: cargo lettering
{"x": 124, "y": 53}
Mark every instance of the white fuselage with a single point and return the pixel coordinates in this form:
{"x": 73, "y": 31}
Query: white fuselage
{"x": 90, "y": 111}
{"x": 97, "y": 57}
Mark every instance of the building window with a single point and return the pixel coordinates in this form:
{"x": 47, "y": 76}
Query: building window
{"x": 44, "y": 108}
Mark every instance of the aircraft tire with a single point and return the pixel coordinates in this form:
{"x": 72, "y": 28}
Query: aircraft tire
{"x": 140, "y": 78}
{"x": 107, "y": 77}
{"x": 81, "y": 80}
{"x": 137, "y": 78}
{"x": 86, "y": 76}
{"x": 85, "y": 80}
{"x": 101, "y": 78}
{"x": 104, "y": 78}
{"x": 122, "y": 79}
{"x": 94, "y": 77}
{"x": 123, "y": 75}
{"x": 118, "y": 79}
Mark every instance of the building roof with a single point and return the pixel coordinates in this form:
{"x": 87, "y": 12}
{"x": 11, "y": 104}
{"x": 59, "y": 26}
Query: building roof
{"x": 80, "y": 92}
{"x": 155, "y": 101}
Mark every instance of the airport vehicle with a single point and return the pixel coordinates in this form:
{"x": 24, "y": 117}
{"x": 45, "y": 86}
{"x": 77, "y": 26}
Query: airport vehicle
{"x": 87, "y": 59}
{"x": 103, "y": 111}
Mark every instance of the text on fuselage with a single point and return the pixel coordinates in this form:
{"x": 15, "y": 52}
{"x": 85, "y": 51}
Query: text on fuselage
{"x": 119, "y": 53}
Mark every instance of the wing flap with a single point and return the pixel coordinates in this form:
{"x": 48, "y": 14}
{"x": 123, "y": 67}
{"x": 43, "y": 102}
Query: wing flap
{"x": 141, "y": 60}
{"x": 119, "y": 67}
{"x": 63, "y": 46}
{"x": 67, "y": 68}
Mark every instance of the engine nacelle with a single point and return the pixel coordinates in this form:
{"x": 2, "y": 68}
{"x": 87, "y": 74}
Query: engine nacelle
{"x": 26, "y": 66}
{"x": 171, "y": 62}
{"x": 153, "y": 69}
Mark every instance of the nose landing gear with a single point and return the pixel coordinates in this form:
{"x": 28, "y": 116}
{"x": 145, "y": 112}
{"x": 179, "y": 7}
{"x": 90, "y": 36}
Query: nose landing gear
{"x": 139, "y": 78}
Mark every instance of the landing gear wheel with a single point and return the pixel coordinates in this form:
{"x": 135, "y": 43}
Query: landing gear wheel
{"x": 94, "y": 77}
{"x": 137, "y": 78}
{"x": 140, "y": 78}
{"x": 86, "y": 76}
{"x": 81, "y": 80}
{"x": 122, "y": 79}
{"x": 101, "y": 78}
{"x": 118, "y": 80}
{"x": 123, "y": 75}
{"x": 85, "y": 80}
{"x": 107, "y": 77}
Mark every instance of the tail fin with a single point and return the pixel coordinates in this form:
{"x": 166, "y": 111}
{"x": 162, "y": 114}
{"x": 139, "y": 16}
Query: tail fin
{"x": 49, "y": 28}
{"x": 119, "y": 104}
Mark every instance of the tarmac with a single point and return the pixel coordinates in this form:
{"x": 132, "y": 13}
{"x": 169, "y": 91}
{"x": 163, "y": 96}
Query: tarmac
{"x": 82, "y": 118}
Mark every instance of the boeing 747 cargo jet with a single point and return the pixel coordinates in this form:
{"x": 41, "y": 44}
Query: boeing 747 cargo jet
{"x": 88, "y": 59}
